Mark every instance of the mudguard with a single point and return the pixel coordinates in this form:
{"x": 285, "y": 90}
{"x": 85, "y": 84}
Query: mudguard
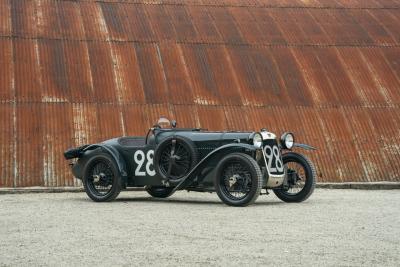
{"x": 225, "y": 149}
{"x": 117, "y": 157}
{"x": 304, "y": 146}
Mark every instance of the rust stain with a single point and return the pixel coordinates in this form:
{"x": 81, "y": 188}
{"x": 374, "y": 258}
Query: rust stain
{"x": 77, "y": 72}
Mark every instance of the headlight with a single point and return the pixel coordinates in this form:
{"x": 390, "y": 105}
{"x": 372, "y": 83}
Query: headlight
{"x": 287, "y": 140}
{"x": 257, "y": 140}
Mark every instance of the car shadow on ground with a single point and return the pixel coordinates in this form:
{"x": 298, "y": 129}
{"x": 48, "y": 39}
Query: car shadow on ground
{"x": 188, "y": 201}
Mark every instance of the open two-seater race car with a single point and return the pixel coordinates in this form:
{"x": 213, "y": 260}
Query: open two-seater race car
{"x": 236, "y": 165}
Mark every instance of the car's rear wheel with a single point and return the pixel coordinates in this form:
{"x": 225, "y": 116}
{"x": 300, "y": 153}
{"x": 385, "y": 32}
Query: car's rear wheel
{"x": 159, "y": 191}
{"x": 238, "y": 180}
{"x": 101, "y": 180}
{"x": 301, "y": 177}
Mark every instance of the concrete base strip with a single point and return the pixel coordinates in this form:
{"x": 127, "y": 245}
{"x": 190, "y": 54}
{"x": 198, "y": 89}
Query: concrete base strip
{"x": 364, "y": 186}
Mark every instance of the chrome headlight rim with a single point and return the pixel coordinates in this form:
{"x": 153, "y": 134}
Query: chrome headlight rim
{"x": 257, "y": 140}
{"x": 287, "y": 140}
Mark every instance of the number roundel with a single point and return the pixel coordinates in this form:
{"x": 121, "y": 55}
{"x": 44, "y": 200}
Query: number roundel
{"x": 140, "y": 159}
{"x": 274, "y": 160}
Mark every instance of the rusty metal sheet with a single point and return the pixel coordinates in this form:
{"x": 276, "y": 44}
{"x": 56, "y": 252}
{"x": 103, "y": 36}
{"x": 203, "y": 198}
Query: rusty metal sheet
{"x": 115, "y": 20}
{"x": 7, "y": 143}
{"x": 316, "y": 79}
{"x": 224, "y": 77}
{"x": 176, "y": 74}
{"x": 313, "y": 33}
{"x": 29, "y": 145}
{"x": 388, "y": 83}
{"x": 287, "y": 25}
{"x": 204, "y": 25}
{"x": 154, "y": 112}
{"x": 388, "y": 21}
{"x": 6, "y": 70}
{"x": 26, "y": 70}
{"x": 212, "y": 117}
{"x": 236, "y": 118}
{"x": 225, "y": 24}
{"x": 185, "y": 31}
{"x": 135, "y": 119}
{"x": 85, "y": 123}
{"x": 109, "y": 121}
{"x": 387, "y": 133}
{"x": 187, "y": 116}
{"x": 48, "y": 24}
{"x": 152, "y": 73}
{"x": 77, "y": 71}
{"x": 57, "y": 132}
{"x": 257, "y": 75}
{"x": 137, "y": 23}
{"x": 269, "y": 30}
{"x": 359, "y": 74}
{"x": 160, "y": 22}
{"x": 247, "y": 25}
{"x": 295, "y": 88}
{"x": 70, "y": 18}
{"x": 201, "y": 75}
{"x": 370, "y": 24}
{"x": 338, "y": 77}
{"x": 392, "y": 56}
{"x": 103, "y": 77}
{"x": 93, "y": 21}
{"x": 23, "y": 21}
{"x": 129, "y": 86}
{"x": 5, "y": 18}
{"x": 54, "y": 82}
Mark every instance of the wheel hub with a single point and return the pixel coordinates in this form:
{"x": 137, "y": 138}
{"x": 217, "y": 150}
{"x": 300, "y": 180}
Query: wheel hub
{"x": 233, "y": 179}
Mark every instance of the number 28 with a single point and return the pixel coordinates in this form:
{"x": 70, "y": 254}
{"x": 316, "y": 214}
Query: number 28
{"x": 140, "y": 159}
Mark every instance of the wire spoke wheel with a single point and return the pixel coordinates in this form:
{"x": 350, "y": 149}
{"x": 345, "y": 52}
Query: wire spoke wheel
{"x": 236, "y": 181}
{"x": 297, "y": 177}
{"x": 301, "y": 178}
{"x": 101, "y": 177}
{"x": 176, "y": 162}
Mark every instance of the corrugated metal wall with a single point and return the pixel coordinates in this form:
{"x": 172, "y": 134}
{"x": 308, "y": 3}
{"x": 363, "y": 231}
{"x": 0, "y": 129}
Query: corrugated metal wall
{"x": 75, "y": 72}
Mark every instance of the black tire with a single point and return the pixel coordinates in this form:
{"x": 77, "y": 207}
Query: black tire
{"x": 310, "y": 178}
{"x": 234, "y": 166}
{"x": 188, "y": 158}
{"x": 108, "y": 183}
{"x": 159, "y": 191}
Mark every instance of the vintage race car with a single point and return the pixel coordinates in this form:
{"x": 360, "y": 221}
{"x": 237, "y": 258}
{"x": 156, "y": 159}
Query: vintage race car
{"x": 236, "y": 165}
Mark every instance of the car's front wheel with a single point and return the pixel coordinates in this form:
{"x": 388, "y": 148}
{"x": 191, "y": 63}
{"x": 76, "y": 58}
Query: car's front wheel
{"x": 301, "y": 177}
{"x": 159, "y": 191}
{"x": 238, "y": 180}
{"x": 101, "y": 180}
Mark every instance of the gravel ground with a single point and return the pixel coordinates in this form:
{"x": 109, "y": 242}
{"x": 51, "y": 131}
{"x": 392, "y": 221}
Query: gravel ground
{"x": 332, "y": 228}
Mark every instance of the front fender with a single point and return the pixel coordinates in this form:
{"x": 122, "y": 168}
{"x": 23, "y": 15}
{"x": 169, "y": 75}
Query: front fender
{"x": 304, "y": 146}
{"x": 214, "y": 155}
